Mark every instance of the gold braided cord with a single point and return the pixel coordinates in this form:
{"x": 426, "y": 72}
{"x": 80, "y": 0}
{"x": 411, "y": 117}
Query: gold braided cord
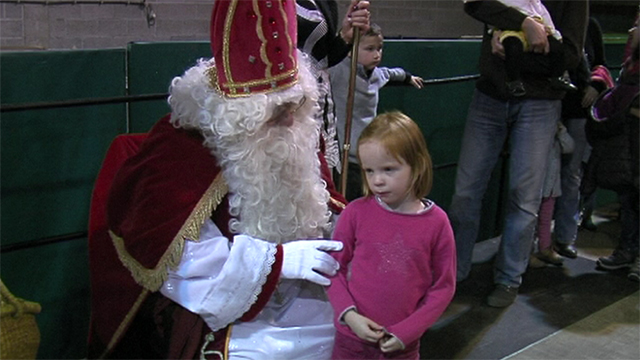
{"x": 152, "y": 279}
{"x": 226, "y": 343}
{"x": 337, "y": 203}
{"x": 125, "y": 323}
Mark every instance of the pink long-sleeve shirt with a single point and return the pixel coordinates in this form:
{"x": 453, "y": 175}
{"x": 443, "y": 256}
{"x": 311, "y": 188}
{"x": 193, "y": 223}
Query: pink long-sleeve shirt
{"x": 397, "y": 269}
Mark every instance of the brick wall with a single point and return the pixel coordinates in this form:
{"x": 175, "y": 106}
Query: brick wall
{"x": 37, "y": 25}
{"x": 59, "y": 24}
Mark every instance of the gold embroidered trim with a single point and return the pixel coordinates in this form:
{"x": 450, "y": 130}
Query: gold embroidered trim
{"x": 289, "y": 40}
{"x": 263, "y": 41}
{"x": 225, "y": 40}
{"x": 337, "y": 203}
{"x": 269, "y": 79}
{"x": 152, "y": 279}
{"x": 125, "y": 322}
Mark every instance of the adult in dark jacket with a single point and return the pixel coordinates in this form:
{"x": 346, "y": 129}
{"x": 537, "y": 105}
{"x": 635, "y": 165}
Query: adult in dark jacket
{"x": 528, "y": 123}
{"x": 591, "y": 77}
{"x": 328, "y": 40}
{"x": 613, "y": 133}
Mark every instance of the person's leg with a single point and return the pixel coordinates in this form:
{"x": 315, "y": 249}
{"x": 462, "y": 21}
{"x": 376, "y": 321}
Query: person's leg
{"x": 567, "y": 209}
{"x": 627, "y": 250}
{"x": 545, "y": 250}
{"x": 544, "y": 222}
{"x": 484, "y": 135}
{"x": 531, "y": 138}
{"x": 587, "y": 205}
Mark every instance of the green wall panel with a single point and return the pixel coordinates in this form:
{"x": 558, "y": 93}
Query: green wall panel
{"x": 50, "y": 158}
{"x": 152, "y": 66}
{"x": 56, "y": 277}
{"x": 440, "y": 109}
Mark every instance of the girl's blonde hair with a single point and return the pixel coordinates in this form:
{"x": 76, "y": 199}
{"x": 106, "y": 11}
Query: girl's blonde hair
{"x": 403, "y": 139}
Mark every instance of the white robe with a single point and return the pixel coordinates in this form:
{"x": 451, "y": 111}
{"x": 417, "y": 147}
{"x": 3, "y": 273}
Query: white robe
{"x": 220, "y": 280}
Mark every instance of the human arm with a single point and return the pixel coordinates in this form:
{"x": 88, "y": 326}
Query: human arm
{"x": 440, "y": 291}
{"x": 570, "y": 18}
{"x": 501, "y": 16}
{"x": 495, "y": 13}
{"x": 344, "y": 305}
{"x": 224, "y": 282}
{"x": 589, "y": 97}
{"x": 399, "y": 76}
{"x": 220, "y": 281}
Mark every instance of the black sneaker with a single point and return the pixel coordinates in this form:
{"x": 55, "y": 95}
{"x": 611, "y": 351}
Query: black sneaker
{"x": 516, "y": 88}
{"x": 562, "y": 83}
{"x": 617, "y": 260}
{"x": 502, "y": 296}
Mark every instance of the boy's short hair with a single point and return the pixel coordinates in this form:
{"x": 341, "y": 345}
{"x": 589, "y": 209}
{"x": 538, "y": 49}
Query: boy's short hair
{"x": 403, "y": 139}
{"x": 374, "y": 30}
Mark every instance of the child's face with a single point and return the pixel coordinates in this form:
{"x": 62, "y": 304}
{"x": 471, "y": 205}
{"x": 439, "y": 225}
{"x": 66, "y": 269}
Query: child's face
{"x": 386, "y": 176}
{"x": 370, "y": 51}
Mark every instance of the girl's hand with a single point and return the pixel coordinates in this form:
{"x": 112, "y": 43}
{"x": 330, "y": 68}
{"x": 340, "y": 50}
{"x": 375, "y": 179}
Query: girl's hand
{"x": 390, "y": 343}
{"x": 590, "y": 96}
{"x": 365, "y": 328}
{"x": 357, "y": 16}
{"x": 416, "y": 81}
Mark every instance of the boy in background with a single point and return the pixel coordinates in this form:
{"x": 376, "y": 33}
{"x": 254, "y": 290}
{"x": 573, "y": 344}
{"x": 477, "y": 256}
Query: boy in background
{"x": 370, "y": 79}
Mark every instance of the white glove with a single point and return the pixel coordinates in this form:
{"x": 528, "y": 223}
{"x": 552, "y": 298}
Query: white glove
{"x": 308, "y": 260}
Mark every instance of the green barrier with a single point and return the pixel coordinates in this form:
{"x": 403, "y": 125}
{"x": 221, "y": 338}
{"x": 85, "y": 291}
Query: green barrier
{"x": 50, "y": 158}
{"x": 152, "y": 66}
{"x": 440, "y": 110}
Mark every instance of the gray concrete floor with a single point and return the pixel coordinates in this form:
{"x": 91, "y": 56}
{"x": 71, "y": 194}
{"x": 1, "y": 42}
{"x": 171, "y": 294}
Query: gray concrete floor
{"x": 611, "y": 333}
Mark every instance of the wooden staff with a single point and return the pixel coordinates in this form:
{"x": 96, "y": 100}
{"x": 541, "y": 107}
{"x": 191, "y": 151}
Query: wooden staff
{"x": 349, "y": 115}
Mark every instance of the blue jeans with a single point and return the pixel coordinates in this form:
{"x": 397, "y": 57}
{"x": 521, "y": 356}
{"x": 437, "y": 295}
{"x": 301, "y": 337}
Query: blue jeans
{"x": 567, "y": 210}
{"x": 531, "y": 126}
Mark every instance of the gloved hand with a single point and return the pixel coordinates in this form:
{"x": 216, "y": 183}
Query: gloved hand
{"x": 308, "y": 260}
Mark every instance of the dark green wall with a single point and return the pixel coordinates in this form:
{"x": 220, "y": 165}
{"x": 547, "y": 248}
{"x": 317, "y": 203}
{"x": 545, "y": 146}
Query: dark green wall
{"x": 50, "y": 157}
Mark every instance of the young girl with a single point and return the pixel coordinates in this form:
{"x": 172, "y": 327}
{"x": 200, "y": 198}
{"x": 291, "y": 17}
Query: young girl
{"x": 398, "y": 266}
{"x": 551, "y": 190}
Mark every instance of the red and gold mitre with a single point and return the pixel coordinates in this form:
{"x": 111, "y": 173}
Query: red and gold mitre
{"x": 254, "y": 46}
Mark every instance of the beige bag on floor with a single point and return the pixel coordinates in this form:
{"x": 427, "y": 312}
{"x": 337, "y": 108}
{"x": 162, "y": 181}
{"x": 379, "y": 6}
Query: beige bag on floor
{"x": 19, "y": 333}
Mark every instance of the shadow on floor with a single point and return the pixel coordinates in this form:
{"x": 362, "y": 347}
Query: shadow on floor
{"x": 549, "y": 299}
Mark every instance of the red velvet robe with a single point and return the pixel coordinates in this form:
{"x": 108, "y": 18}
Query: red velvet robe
{"x": 138, "y": 224}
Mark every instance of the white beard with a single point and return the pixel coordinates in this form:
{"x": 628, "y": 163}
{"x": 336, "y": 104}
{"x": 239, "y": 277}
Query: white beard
{"x": 273, "y": 173}
{"x": 274, "y": 178}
